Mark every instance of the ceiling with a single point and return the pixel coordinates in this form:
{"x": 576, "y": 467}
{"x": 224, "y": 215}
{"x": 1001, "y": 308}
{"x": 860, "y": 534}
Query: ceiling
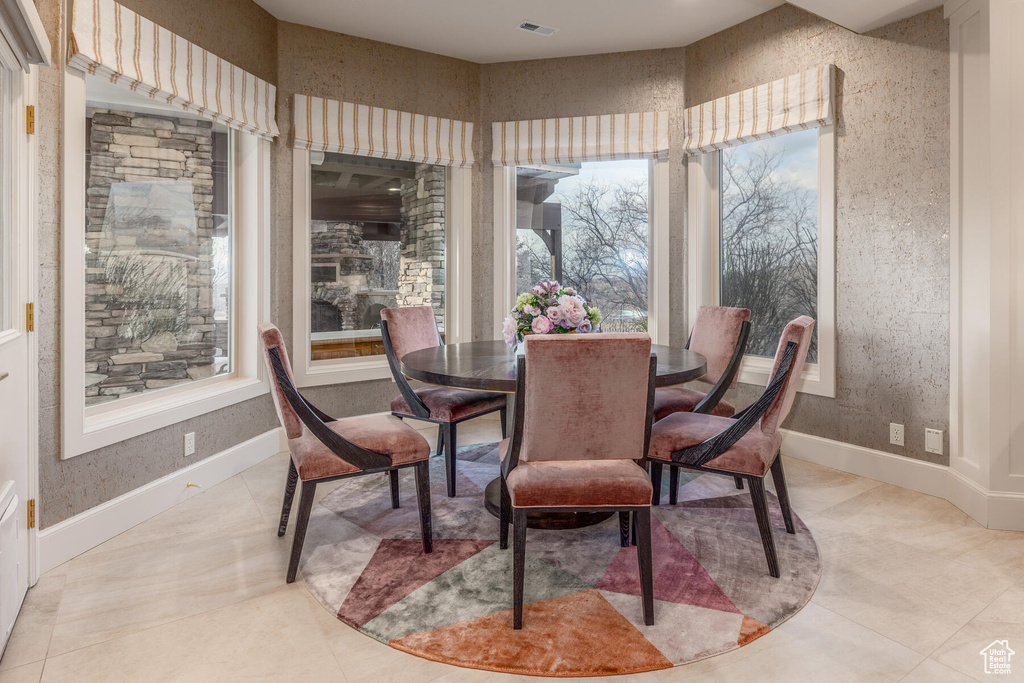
{"x": 486, "y": 31}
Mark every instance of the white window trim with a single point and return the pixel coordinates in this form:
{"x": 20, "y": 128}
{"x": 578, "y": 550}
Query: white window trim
{"x": 658, "y": 310}
{"x": 458, "y": 280}
{"x": 703, "y": 263}
{"x": 86, "y": 430}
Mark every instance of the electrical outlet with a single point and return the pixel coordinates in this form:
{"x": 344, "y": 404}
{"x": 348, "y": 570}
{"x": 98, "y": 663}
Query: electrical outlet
{"x": 190, "y": 444}
{"x": 895, "y": 434}
{"x": 933, "y": 441}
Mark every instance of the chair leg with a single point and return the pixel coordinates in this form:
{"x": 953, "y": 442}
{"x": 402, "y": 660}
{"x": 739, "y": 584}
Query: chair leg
{"x": 393, "y": 477}
{"x": 423, "y": 501}
{"x": 632, "y": 528}
{"x": 449, "y": 455}
{"x": 503, "y": 416}
{"x": 779, "y": 477}
{"x": 764, "y": 523}
{"x": 518, "y": 565}
{"x": 643, "y": 523}
{"x": 739, "y": 482}
{"x": 673, "y": 485}
{"x": 505, "y": 517}
{"x": 305, "y": 506}
{"x": 289, "y": 494}
{"x": 656, "y": 482}
{"x": 440, "y": 440}
{"x": 624, "y": 529}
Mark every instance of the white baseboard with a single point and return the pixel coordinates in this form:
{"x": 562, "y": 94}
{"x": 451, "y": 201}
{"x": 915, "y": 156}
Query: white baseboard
{"x": 63, "y": 541}
{"x": 992, "y": 509}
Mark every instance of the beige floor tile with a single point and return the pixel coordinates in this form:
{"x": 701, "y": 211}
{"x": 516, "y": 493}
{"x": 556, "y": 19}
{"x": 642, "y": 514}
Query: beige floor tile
{"x": 916, "y": 598}
{"x": 814, "y": 488}
{"x": 890, "y": 512}
{"x": 962, "y": 652}
{"x": 930, "y": 671}
{"x": 816, "y": 645}
{"x": 364, "y": 660}
{"x": 28, "y": 673}
{"x": 272, "y": 637}
{"x": 31, "y": 637}
{"x": 1008, "y": 608}
{"x": 113, "y": 593}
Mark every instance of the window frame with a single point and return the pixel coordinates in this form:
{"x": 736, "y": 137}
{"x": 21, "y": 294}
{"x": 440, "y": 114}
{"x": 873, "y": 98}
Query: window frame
{"x": 458, "y": 279}
{"x": 704, "y": 265}
{"x": 658, "y": 310}
{"x": 87, "y": 429}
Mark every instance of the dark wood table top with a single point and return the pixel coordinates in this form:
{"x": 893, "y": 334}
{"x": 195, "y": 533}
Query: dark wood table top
{"x": 490, "y": 366}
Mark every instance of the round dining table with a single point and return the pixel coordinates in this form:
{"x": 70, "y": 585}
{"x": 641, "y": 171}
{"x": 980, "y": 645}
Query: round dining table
{"x": 491, "y": 366}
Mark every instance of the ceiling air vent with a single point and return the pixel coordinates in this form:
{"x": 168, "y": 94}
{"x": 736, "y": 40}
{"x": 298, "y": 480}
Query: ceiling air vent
{"x": 539, "y": 29}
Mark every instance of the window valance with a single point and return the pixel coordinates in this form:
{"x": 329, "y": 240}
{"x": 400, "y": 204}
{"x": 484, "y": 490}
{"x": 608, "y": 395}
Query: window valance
{"x": 110, "y": 40}
{"x": 577, "y": 139}
{"x": 326, "y": 125}
{"x": 796, "y": 102}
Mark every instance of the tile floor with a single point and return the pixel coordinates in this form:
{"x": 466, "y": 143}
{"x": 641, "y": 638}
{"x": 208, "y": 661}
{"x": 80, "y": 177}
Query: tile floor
{"x": 912, "y": 590}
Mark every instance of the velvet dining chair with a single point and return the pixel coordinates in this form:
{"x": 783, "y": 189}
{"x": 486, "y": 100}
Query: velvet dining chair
{"x": 413, "y": 328}
{"x": 323, "y": 449}
{"x": 581, "y": 426}
{"x": 746, "y": 445}
{"x": 719, "y": 334}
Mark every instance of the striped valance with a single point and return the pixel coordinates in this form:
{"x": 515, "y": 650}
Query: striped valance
{"x": 796, "y": 102}
{"x": 581, "y": 138}
{"x": 110, "y": 40}
{"x": 330, "y": 126}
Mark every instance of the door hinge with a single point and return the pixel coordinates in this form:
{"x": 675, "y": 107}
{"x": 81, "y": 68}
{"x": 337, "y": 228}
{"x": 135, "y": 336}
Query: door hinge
{"x": 32, "y": 513}
{"x": 30, "y": 119}
{"x": 30, "y": 317}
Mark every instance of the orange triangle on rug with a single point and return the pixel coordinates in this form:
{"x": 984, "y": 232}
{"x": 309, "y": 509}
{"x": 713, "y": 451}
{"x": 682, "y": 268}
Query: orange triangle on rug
{"x": 751, "y": 630}
{"x": 397, "y": 568}
{"x": 678, "y": 576}
{"x": 579, "y": 634}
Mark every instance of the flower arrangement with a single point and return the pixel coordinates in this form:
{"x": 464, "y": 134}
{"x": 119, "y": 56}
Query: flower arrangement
{"x": 549, "y": 308}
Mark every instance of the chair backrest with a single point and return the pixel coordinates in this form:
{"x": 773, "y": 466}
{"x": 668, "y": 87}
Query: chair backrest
{"x": 716, "y": 333}
{"x": 798, "y": 331}
{"x": 270, "y": 338}
{"x": 586, "y": 396}
{"x": 411, "y": 329}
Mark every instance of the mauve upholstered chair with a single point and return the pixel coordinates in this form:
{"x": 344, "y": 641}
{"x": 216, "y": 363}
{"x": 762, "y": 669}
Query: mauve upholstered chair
{"x": 413, "y": 328}
{"x": 324, "y": 449}
{"x": 719, "y": 334}
{"x": 582, "y": 425}
{"x": 746, "y": 445}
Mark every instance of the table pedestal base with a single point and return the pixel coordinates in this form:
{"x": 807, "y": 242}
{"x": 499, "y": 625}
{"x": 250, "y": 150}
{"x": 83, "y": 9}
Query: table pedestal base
{"x": 543, "y": 520}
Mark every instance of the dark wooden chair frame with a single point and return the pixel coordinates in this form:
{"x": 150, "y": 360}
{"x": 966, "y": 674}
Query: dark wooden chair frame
{"x": 368, "y": 462}
{"x": 517, "y": 516}
{"x": 696, "y": 456}
{"x": 446, "y": 433}
{"x": 706, "y": 405}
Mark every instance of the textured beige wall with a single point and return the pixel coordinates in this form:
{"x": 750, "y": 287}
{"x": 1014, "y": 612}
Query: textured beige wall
{"x": 577, "y": 86}
{"x": 892, "y": 211}
{"x": 73, "y": 486}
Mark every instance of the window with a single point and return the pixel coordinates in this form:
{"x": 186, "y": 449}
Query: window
{"x": 376, "y": 240}
{"x": 587, "y": 226}
{"x": 764, "y": 241}
{"x": 158, "y": 246}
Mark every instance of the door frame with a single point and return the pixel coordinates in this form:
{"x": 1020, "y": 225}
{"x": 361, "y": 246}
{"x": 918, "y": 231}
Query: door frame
{"x": 20, "y": 167}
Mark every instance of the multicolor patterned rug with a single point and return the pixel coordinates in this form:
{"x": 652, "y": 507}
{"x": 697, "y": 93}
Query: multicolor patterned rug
{"x": 364, "y": 562}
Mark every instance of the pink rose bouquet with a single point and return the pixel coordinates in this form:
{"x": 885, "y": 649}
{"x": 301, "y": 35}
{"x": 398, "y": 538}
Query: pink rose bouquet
{"x": 549, "y": 308}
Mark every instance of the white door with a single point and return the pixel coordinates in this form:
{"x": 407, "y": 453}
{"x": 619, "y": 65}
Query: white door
{"x": 17, "y": 348}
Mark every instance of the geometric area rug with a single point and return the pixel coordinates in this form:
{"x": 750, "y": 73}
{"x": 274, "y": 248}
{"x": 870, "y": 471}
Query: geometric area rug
{"x": 364, "y": 563}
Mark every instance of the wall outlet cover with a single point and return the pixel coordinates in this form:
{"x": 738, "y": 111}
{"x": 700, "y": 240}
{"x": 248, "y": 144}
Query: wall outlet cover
{"x": 895, "y": 434}
{"x": 933, "y": 441}
{"x": 190, "y": 444}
